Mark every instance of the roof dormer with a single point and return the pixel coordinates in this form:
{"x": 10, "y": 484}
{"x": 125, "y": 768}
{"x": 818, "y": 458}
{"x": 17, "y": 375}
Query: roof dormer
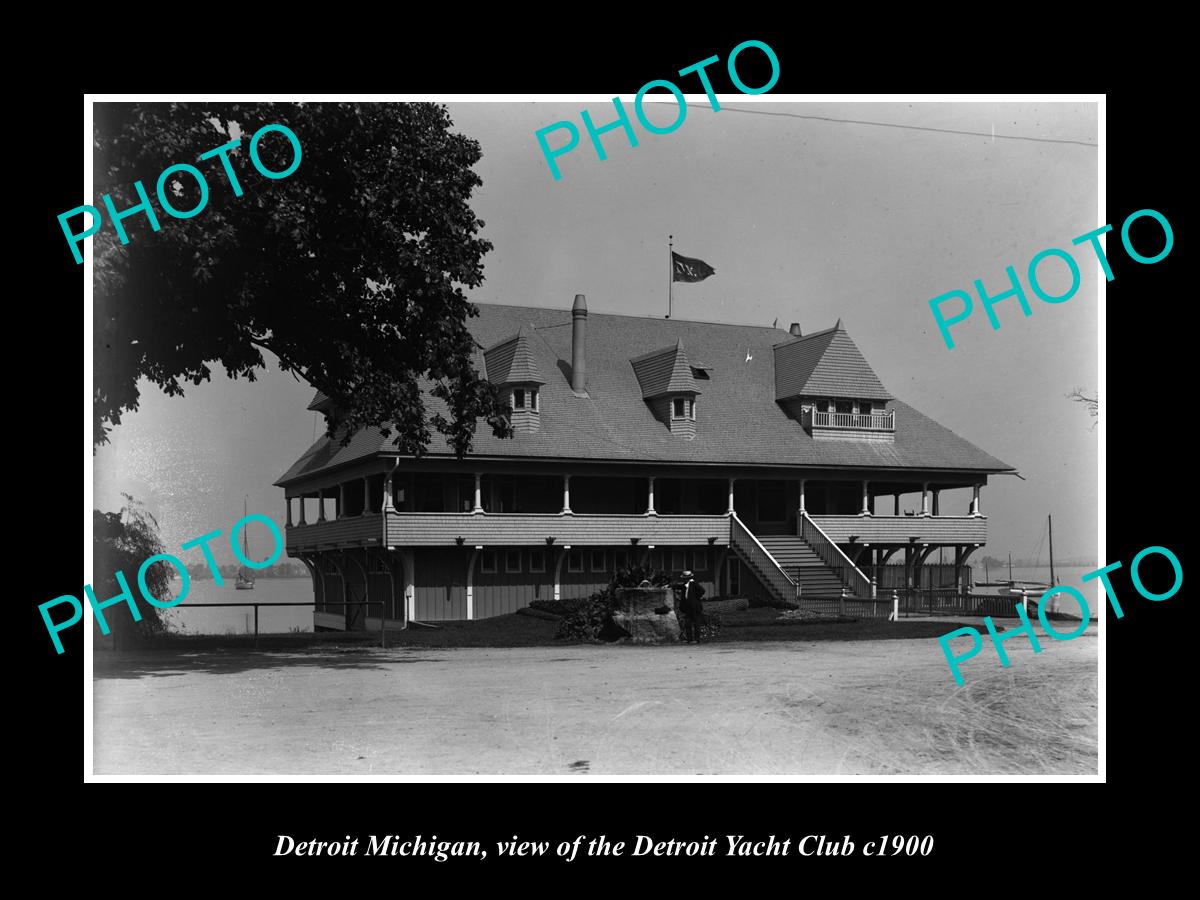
{"x": 511, "y": 366}
{"x": 668, "y": 384}
{"x": 823, "y": 381}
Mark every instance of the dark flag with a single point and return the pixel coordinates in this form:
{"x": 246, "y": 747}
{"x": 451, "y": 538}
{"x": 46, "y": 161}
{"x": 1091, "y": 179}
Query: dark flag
{"x": 685, "y": 268}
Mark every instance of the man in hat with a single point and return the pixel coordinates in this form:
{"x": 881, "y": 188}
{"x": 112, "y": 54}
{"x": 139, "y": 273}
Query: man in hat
{"x": 690, "y": 608}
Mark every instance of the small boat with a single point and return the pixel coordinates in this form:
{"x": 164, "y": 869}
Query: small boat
{"x": 245, "y": 578}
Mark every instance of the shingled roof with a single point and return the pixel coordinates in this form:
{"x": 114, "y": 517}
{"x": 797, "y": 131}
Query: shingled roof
{"x": 663, "y": 372}
{"x": 825, "y": 364}
{"x": 512, "y": 361}
{"x": 740, "y": 421}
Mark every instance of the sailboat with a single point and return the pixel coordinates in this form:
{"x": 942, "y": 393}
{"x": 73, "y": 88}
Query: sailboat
{"x": 245, "y": 578}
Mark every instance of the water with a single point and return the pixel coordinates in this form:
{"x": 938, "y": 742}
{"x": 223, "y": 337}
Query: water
{"x": 1069, "y": 576}
{"x": 187, "y": 619}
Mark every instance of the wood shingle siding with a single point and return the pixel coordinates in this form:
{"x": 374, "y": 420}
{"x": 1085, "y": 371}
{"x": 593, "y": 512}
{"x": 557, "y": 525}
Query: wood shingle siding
{"x": 532, "y": 529}
{"x": 354, "y": 531}
{"x": 898, "y": 529}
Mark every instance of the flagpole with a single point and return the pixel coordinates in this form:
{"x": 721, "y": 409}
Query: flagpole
{"x": 670, "y": 272}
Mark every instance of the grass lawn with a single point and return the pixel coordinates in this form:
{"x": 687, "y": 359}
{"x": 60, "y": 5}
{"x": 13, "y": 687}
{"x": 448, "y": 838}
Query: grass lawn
{"x": 516, "y": 630}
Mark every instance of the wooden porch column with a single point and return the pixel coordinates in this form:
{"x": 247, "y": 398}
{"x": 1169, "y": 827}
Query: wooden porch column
{"x": 341, "y": 500}
{"x": 321, "y": 505}
{"x": 388, "y": 502}
{"x": 302, "y": 520}
{"x": 896, "y": 506}
{"x": 366, "y": 495}
{"x": 866, "y": 507}
{"x": 479, "y": 495}
{"x": 650, "y": 495}
{"x": 803, "y": 482}
{"x": 975, "y": 501}
{"x": 936, "y": 506}
{"x": 566, "y": 493}
{"x": 289, "y": 511}
{"x": 731, "y": 480}
{"x": 925, "y": 499}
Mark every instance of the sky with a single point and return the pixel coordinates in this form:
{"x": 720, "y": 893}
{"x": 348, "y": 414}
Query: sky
{"x": 805, "y": 220}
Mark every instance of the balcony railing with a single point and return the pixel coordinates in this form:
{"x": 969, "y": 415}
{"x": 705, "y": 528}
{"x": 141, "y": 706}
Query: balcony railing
{"x": 863, "y": 421}
{"x": 904, "y": 529}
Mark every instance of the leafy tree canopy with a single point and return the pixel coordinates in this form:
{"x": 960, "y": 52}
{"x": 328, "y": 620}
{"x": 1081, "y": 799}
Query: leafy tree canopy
{"x": 350, "y": 270}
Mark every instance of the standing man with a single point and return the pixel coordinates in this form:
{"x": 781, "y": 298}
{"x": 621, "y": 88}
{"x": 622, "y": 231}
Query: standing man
{"x": 690, "y": 608}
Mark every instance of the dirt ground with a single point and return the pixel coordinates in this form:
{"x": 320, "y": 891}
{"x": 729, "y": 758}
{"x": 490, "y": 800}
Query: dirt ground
{"x": 796, "y": 707}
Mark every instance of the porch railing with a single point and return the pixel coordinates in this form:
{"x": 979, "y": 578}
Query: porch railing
{"x": 831, "y": 554}
{"x": 748, "y": 547}
{"x": 870, "y": 421}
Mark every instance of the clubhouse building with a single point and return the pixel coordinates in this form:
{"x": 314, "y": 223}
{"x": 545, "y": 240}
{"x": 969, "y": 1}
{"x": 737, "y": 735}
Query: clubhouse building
{"x": 773, "y": 464}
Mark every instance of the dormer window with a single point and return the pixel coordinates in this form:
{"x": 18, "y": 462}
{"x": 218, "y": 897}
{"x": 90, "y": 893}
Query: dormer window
{"x": 678, "y": 411}
{"x": 864, "y": 407}
{"x": 533, "y": 399}
{"x": 842, "y": 406}
{"x": 525, "y": 398}
{"x": 822, "y": 406}
{"x": 519, "y": 399}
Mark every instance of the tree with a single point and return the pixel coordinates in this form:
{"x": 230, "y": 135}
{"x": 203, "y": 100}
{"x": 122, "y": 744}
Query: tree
{"x": 350, "y": 269}
{"x": 122, "y": 542}
{"x": 1092, "y": 403}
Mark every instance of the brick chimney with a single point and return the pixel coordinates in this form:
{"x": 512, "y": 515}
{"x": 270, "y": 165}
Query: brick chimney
{"x": 579, "y": 345}
{"x": 795, "y": 330}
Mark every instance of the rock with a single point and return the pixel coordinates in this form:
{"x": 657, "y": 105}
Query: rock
{"x": 647, "y": 614}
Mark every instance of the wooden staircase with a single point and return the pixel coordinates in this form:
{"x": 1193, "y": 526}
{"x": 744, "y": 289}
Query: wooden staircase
{"x": 801, "y": 562}
{"x": 781, "y": 562}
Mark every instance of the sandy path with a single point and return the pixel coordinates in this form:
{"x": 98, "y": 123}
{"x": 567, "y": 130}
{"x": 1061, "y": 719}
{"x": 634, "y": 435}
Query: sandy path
{"x": 786, "y": 708}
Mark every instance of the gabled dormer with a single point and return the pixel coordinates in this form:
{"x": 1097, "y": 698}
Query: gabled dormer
{"x": 824, "y": 382}
{"x": 511, "y": 366}
{"x": 324, "y": 404}
{"x": 669, "y": 388}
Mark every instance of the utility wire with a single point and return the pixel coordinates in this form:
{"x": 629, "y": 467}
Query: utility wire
{"x": 790, "y": 115}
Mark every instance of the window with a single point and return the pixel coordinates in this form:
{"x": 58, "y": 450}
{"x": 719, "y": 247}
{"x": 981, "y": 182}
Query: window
{"x": 700, "y": 373}
{"x": 692, "y": 410}
{"x": 699, "y": 560}
{"x": 533, "y": 399}
{"x": 678, "y": 408}
{"x": 734, "y": 578}
{"x": 574, "y": 560}
{"x": 823, "y": 406}
{"x": 772, "y": 501}
{"x": 842, "y": 406}
{"x": 620, "y": 559}
{"x": 597, "y": 561}
{"x": 864, "y": 407}
{"x": 512, "y": 560}
{"x": 487, "y": 561}
{"x": 519, "y": 398}
{"x": 537, "y": 560}
{"x": 678, "y": 560}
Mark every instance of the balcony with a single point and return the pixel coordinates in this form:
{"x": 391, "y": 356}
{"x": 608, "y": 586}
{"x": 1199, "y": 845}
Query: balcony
{"x": 866, "y": 421}
{"x": 841, "y": 426}
{"x": 902, "y": 529}
{"x": 349, "y": 531}
{"x": 444, "y": 529}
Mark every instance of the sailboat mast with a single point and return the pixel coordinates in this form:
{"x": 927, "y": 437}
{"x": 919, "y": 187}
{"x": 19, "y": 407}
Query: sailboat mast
{"x": 1010, "y": 567}
{"x": 245, "y": 531}
{"x": 1050, "y": 527}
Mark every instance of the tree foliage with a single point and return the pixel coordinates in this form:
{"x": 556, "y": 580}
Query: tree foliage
{"x": 350, "y": 270}
{"x": 123, "y": 541}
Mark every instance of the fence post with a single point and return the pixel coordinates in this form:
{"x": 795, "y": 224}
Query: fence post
{"x": 255, "y": 626}
{"x": 842, "y": 602}
{"x": 895, "y": 606}
{"x": 874, "y": 590}
{"x": 1025, "y": 602}
{"x": 382, "y": 626}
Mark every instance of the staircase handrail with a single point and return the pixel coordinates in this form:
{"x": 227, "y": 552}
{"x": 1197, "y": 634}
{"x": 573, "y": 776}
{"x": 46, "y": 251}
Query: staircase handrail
{"x": 833, "y": 556}
{"x": 737, "y": 534}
